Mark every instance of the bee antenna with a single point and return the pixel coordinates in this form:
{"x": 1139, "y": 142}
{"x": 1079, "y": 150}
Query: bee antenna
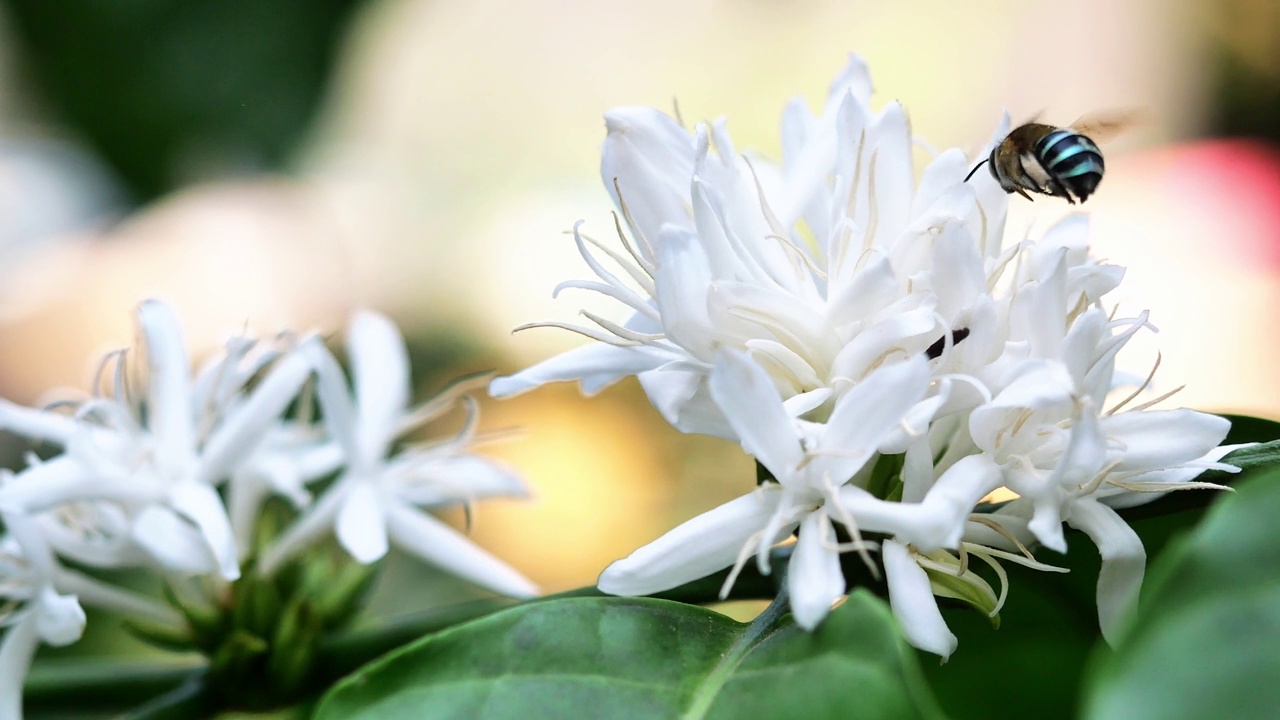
{"x": 975, "y": 169}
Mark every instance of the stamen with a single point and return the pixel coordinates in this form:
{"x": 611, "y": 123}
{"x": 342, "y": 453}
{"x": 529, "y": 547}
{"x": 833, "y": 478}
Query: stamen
{"x": 584, "y": 331}
{"x": 1145, "y": 384}
{"x": 873, "y": 221}
{"x": 797, "y": 254}
{"x": 643, "y": 279}
{"x": 845, "y": 517}
{"x": 1158, "y": 399}
{"x": 1001, "y": 575}
{"x": 635, "y": 229}
{"x": 996, "y": 526}
{"x": 1158, "y": 487}
{"x": 622, "y": 332}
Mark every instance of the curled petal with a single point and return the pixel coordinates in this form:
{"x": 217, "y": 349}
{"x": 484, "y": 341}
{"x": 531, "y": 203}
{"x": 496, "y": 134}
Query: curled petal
{"x": 59, "y": 618}
{"x": 1123, "y": 562}
{"x": 913, "y": 604}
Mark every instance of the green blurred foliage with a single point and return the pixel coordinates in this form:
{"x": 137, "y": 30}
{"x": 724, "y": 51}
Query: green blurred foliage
{"x": 165, "y": 88}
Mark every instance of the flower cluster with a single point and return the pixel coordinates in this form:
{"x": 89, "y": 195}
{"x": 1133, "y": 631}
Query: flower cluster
{"x": 174, "y": 479}
{"x": 868, "y": 336}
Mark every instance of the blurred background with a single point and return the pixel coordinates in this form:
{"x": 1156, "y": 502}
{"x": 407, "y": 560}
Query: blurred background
{"x": 275, "y": 163}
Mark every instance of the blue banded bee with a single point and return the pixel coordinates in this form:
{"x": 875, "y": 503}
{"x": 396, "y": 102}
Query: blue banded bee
{"x": 1063, "y": 162}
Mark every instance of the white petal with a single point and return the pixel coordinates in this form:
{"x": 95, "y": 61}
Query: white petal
{"x": 958, "y": 277}
{"x": 866, "y": 415}
{"x": 201, "y": 504}
{"x": 426, "y": 537}
{"x": 334, "y": 396}
{"x": 314, "y": 522}
{"x": 872, "y": 287}
{"x": 597, "y": 366}
{"x": 750, "y": 402}
{"x": 380, "y": 373}
{"x": 459, "y": 478}
{"x": 66, "y": 479}
{"x": 913, "y": 604}
{"x": 892, "y": 333}
{"x": 1123, "y": 562}
{"x": 684, "y": 400}
{"x": 893, "y": 174}
{"x": 59, "y": 618}
{"x": 651, "y": 158}
{"x": 36, "y": 424}
{"x": 174, "y": 543}
{"x": 938, "y": 520}
{"x": 169, "y": 407}
{"x": 1171, "y": 476}
{"x": 682, "y": 280}
{"x": 16, "y": 653}
{"x": 361, "y": 525}
{"x": 1156, "y": 439}
{"x": 244, "y": 429}
{"x": 694, "y": 549}
{"x": 853, "y": 79}
{"x": 814, "y": 578}
{"x": 798, "y": 405}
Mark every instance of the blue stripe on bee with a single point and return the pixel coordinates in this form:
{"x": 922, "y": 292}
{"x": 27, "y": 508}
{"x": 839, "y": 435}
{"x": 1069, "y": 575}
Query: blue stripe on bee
{"x": 1048, "y": 141}
{"x": 1063, "y": 152}
{"x": 1090, "y": 166}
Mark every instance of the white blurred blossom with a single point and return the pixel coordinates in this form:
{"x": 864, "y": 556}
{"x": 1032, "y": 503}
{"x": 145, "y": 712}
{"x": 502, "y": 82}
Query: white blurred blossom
{"x": 379, "y": 497}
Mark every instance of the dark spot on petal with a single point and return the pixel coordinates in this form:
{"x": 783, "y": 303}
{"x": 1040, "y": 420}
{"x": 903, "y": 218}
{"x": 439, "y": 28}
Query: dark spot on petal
{"x": 935, "y": 350}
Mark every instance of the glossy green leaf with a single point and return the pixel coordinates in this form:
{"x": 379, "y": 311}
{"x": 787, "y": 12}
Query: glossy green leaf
{"x": 1245, "y": 428}
{"x": 642, "y": 658}
{"x": 1205, "y": 643}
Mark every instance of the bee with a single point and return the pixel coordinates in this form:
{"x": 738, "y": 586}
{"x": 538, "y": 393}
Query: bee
{"x": 1063, "y": 162}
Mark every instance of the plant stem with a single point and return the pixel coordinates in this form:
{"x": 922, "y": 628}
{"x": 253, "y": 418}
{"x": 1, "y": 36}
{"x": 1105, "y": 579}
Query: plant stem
{"x": 109, "y": 686}
{"x": 765, "y": 624}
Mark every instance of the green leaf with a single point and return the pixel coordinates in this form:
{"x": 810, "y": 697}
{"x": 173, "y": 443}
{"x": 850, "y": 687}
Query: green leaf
{"x": 643, "y": 658}
{"x": 1205, "y": 641}
{"x": 1245, "y": 428}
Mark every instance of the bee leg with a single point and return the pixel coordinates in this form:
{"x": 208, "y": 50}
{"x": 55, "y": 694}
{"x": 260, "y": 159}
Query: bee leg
{"x": 1024, "y": 194}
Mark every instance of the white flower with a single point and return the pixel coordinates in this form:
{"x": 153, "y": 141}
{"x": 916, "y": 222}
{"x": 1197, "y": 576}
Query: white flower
{"x": 820, "y": 268}
{"x": 812, "y": 464}
{"x": 376, "y": 500}
{"x": 1067, "y": 456}
{"x": 34, "y": 611}
{"x": 152, "y": 463}
{"x": 832, "y": 311}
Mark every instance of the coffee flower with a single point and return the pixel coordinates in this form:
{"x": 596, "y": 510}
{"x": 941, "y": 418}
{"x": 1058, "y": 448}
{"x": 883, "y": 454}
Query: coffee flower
{"x": 379, "y": 497}
{"x": 869, "y": 337}
{"x": 155, "y": 460}
{"x": 819, "y": 268}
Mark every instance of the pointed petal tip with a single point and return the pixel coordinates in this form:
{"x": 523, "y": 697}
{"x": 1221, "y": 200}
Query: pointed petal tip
{"x": 508, "y": 386}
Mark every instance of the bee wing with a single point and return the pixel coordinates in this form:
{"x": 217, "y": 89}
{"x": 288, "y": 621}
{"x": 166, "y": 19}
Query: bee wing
{"x": 1105, "y": 124}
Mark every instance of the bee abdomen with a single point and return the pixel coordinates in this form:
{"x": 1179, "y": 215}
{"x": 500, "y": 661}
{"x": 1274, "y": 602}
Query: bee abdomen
{"x": 1073, "y": 160}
